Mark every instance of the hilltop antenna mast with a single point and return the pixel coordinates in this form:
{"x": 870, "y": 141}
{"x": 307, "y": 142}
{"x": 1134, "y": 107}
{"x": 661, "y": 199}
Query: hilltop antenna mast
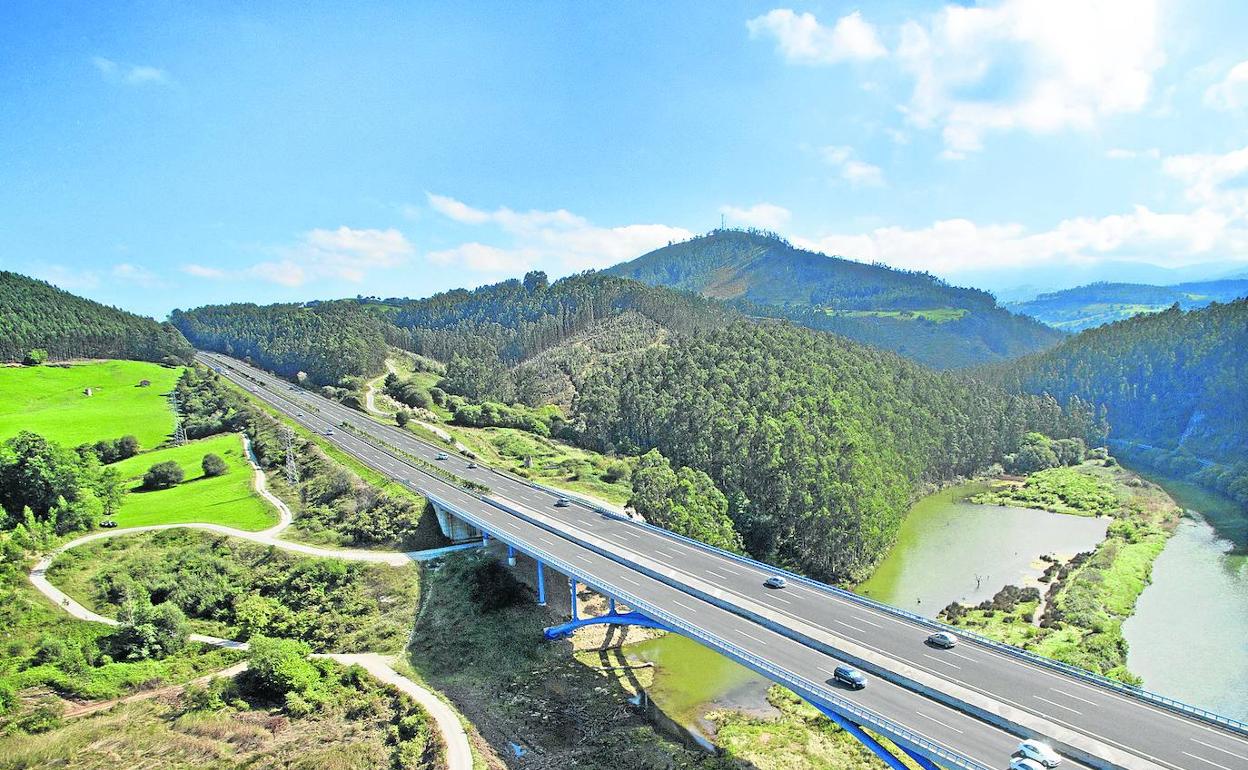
{"x": 288, "y": 443}
{"x": 179, "y": 428}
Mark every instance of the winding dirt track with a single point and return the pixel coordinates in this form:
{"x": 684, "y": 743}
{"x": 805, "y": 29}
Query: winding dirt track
{"x": 458, "y": 752}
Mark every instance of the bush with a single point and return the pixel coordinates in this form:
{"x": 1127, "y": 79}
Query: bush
{"x": 281, "y": 666}
{"x": 213, "y": 465}
{"x": 35, "y": 357}
{"x": 148, "y": 631}
{"x": 163, "y": 475}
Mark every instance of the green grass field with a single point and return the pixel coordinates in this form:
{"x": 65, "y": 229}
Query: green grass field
{"x": 938, "y": 315}
{"x": 49, "y": 400}
{"x": 226, "y": 499}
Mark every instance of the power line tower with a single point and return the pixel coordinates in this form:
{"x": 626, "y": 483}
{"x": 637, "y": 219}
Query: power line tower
{"x": 288, "y": 443}
{"x": 179, "y": 428}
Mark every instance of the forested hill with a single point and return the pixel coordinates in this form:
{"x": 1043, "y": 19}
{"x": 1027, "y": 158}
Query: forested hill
{"x": 1175, "y": 385}
{"x": 1084, "y": 307}
{"x": 915, "y": 314}
{"x": 36, "y": 315}
{"x": 326, "y": 341}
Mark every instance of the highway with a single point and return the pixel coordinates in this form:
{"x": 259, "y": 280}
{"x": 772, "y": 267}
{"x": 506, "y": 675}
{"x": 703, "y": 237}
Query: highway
{"x": 808, "y": 621}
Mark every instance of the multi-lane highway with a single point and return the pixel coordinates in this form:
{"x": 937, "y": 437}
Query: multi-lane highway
{"x": 800, "y": 628}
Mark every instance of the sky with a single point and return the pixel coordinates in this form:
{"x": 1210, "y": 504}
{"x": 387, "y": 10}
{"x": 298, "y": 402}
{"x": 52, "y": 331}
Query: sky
{"x": 156, "y": 155}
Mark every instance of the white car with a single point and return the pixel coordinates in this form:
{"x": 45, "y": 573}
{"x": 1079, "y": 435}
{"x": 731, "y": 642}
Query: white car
{"x": 1023, "y": 763}
{"x": 1040, "y": 753}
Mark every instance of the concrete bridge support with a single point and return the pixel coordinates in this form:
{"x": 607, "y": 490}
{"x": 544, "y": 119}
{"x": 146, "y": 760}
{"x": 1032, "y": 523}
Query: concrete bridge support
{"x": 455, "y": 530}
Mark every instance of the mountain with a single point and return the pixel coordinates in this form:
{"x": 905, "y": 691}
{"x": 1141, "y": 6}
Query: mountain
{"x": 36, "y": 314}
{"x": 1100, "y": 303}
{"x": 1174, "y": 386}
{"x": 915, "y": 314}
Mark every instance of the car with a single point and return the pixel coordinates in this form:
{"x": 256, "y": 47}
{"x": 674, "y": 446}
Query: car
{"x": 850, "y": 677}
{"x": 329, "y": 431}
{"x": 108, "y": 523}
{"x": 1039, "y": 752}
{"x": 298, "y": 414}
{"x": 562, "y": 502}
{"x": 472, "y": 464}
{"x": 1023, "y": 763}
{"x": 443, "y": 456}
{"x": 775, "y": 581}
{"x": 290, "y": 387}
{"x": 943, "y": 640}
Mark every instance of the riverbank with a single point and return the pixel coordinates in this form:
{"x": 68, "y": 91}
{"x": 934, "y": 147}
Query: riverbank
{"x": 1087, "y": 598}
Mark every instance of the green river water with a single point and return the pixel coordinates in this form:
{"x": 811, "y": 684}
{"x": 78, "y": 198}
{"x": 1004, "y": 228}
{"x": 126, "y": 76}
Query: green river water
{"x": 1189, "y": 636}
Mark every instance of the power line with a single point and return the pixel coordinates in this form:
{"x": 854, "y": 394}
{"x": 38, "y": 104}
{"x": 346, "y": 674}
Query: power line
{"x": 288, "y": 443}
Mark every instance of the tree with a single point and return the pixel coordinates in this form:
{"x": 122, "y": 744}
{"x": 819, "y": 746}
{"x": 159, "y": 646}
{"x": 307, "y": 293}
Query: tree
{"x": 281, "y": 666}
{"x": 535, "y": 280}
{"x": 685, "y": 502}
{"x": 127, "y": 446}
{"x": 35, "y": 357}
{"x": 402, "y": 418}
{"x": 163, "y": 475}
{"x": 213, "y": 465}
{"x": 148, "y": 631}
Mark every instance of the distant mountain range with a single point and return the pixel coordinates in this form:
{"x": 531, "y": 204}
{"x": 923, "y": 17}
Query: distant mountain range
{"x": 1084, "y": 307}
{"x": 915, "y": 314}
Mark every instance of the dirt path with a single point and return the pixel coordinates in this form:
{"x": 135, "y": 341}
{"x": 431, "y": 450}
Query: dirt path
{"x": 458, "y": 752}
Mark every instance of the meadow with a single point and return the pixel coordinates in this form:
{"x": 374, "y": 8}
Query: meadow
{"x": 50, "y": 401}
{"x": 227, "y": 499}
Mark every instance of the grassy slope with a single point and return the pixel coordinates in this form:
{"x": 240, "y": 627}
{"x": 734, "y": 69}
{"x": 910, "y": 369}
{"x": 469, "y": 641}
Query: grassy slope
{"x": 227, "y": 499}
{"x": 49, "y": 400}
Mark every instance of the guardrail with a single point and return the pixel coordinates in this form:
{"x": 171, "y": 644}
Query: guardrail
{"x": 812, "y": 691}
{"x": 1171, "y": 704}
{"x": 1132, "y": 691}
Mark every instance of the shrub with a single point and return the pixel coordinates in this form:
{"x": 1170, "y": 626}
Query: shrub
{"x": 281, "y": 666}
{"x": 148, "y": 631}
{"x": 163, "y": 475}
{"x": 213, "y": 465}
{"x": 35, "y": 357}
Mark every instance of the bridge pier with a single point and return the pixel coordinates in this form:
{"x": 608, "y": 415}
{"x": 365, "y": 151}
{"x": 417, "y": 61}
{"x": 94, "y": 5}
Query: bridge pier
{"x": 871, "y": 743}
{"x": 541, "y": 583}
{"x": 511, "y": 556}
{"x": 455, "y": 530}
{"x": 612, "y": 619}
{"x": 576, "y": 615}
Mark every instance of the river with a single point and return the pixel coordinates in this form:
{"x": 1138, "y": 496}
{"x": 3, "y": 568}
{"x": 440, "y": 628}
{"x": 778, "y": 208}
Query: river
{"x": 1189, "y": 635}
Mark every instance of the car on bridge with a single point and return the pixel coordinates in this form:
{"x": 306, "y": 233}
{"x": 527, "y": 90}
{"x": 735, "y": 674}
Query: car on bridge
{"x": 443, "y": 456}
{"x": 472, "y": 463}
{"x": 850, "y": 677}
{"x": 562, "y": 502}
{"x": 1039, "y": 752}
{"x": 943, "y": 640}
{"x": 775, "y": 581}
{"x": 1023, "y": 763}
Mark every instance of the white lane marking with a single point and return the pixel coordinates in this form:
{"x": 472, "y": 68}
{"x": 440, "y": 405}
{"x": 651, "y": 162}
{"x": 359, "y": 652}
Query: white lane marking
{"x": 686, "y": 606}
{"x": 960, "y": 655}
{"x": 937, "y": 721}
{"x": 826, "y": 671}
{"x": 780, "y": 599}
{"x": 751, "y": 636}
{"x": 869, "y": 623}
{"x": 716, "y": 574}
{"x": 856, "y": 628}
{"x": 581, "y": 558}
{"x": 1202, "y": 759}
{"x": 1218, "y": 748}
{"x": 1072, "y": 695}
{"x": 942, "y": 660}
{"x": 627, "y": 580}
{"x": 545, "y": 539}
{"x": 1055, "y": 703}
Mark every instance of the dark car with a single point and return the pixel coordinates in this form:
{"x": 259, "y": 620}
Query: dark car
{"x": 108, "y": 524}
{"x": 562, "y": 502}
{"x": 850, "y": 677}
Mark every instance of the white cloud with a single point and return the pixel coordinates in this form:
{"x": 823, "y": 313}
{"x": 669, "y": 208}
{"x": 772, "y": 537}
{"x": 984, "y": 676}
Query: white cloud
{"x": 557, "y": 240}
{"x": 345, "y": 254}
{"x": 1120, "y": 153}
{"x": 802, "y": 39}
{"x": 1033, "y": 65}
{"x": 1231, "y": 92}
{"x": 69, "y": 279}
{"x": 130, "y": 74}
{"x": 854, "y": 171}
{"x": 1218, "y": 182}
{"x": 137, "y": 275}
{"x": 765, "y": 215}
{"x": 201, "y": 271}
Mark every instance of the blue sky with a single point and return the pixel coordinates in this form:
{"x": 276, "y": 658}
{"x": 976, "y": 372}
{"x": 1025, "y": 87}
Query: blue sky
{"x": 158, "y": 155}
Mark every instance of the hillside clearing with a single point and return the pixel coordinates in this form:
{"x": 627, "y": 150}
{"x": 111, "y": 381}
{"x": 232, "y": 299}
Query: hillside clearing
{"x": 227, "y": 499}
{"x": 51, "y": 401}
